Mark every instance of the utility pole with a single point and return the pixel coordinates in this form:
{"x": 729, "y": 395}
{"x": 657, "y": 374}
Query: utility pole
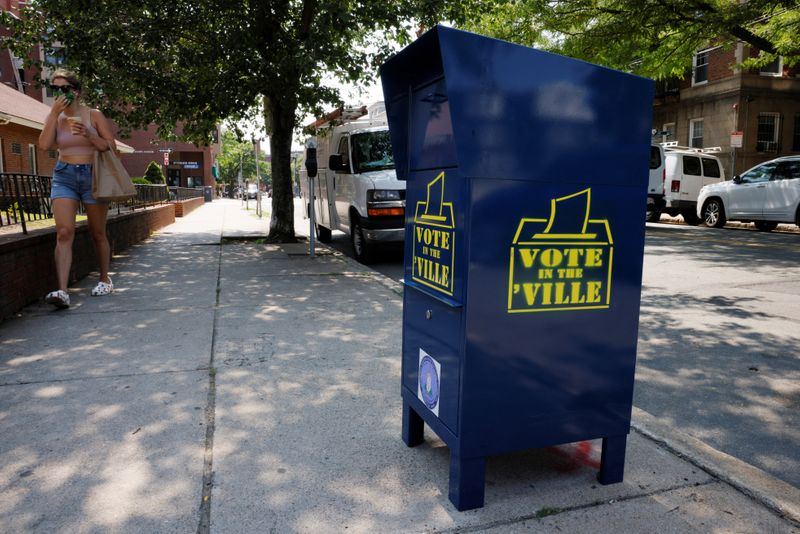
{"x": 256, "y": 145}
{"x": 241, "y": 179}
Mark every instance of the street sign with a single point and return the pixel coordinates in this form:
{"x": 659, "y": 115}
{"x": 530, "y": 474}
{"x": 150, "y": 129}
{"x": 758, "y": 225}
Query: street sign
{"x": 166, "y": 158}
{"x": 736, "y": 139}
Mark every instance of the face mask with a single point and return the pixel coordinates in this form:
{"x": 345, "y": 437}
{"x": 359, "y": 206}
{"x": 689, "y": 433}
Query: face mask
{"x": 68, "y": 93}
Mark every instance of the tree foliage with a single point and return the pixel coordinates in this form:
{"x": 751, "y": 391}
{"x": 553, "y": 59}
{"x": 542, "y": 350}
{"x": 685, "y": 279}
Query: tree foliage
{"x": 153, "y": 174}
{"x": 236, "y": 152}
{"x": 197, "y": 63}
{"x": 655, "y": 38}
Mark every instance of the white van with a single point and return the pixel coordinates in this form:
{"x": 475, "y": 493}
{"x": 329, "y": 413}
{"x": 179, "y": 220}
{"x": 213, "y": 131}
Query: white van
{"x": 356, "y": 188}
{"x": 686, "y": 171}
{"x": 655, "y": 186}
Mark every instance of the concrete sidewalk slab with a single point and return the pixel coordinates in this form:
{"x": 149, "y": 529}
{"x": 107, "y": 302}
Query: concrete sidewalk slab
{"x": 679, "y": 511}
{"x": 118, "y": 454}
{"x": 70, "y": 344}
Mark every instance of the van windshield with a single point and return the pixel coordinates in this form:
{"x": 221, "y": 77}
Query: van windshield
{"x": 372, "y": 151}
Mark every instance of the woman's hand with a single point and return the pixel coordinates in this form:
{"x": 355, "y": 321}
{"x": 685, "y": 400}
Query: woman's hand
{"x": 59, "y": 105}
{"x": 78, "y": 129}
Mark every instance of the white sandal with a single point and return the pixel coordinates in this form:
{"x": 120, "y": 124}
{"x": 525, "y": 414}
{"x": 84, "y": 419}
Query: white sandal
{"x": 103, "y": 288}
{"x": 58, "y": 298}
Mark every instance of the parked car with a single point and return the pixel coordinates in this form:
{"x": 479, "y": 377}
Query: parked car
{"x": 686, "y": 171}
{"x": 767, "y": 194}
{"x": 252, "y": 191}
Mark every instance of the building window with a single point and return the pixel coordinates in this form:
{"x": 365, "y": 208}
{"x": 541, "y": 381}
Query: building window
{"x": 796, "y": 137}
{"x": 52, "y": 154}
{"x": 773, "y": 68}
{"x": 33, "y": 160}
{"x": 669, "y": 131}
{"x": 700, "y": 67}
{"x": 16, "y": 148}
{"x": 696, "y": 133}
{"x": 54, "y": 56}
{"x": 768, "y": 130}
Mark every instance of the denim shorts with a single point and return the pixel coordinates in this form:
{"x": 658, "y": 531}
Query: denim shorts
{"x": 73, "y": 181}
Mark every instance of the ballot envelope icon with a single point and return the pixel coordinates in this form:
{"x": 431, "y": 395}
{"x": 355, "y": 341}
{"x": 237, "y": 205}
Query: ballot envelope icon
{"x": 563, "y": 262}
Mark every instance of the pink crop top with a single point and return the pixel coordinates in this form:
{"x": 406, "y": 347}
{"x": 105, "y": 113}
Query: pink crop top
{"x": 75, "y": 145}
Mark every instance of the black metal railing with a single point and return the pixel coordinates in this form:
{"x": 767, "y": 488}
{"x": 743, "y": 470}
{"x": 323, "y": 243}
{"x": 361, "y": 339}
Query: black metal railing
{"x": 148, "y": 195}
{"x": 23, "y": 198}
{"x": 185, "y": 193}
{"x": 26, "y": 197}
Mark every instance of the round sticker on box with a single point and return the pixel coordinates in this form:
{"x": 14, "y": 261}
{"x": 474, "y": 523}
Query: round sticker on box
{"x": 429, "y": 382}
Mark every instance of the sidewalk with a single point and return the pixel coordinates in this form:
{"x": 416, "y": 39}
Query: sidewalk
{"x": 230, "y": 386}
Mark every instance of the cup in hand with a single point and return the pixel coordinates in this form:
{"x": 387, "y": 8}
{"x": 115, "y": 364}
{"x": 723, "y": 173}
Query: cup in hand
{"x": 73, "y": 124}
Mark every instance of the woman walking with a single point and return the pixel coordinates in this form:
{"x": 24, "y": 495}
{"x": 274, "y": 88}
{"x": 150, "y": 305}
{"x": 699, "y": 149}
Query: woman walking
{"x": 77, "y": 132}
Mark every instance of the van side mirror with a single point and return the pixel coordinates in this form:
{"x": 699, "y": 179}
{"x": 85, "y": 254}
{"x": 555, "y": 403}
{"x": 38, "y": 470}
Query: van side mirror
{"x": 311, "y": 162}
{"x": 737, "y": 179}
{"x": 336, "y": 163}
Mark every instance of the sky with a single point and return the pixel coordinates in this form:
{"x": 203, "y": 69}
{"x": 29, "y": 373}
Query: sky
{"x": 371, "y": 93}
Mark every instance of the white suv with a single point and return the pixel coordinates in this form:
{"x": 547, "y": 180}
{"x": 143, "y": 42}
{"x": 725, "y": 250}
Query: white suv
{"x": 767, "y": 194}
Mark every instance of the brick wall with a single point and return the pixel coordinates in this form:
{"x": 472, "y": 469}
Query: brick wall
{"x": 185, "y": 207}
{"x": 27, "y": 268}
{"x": 24, "y": 136}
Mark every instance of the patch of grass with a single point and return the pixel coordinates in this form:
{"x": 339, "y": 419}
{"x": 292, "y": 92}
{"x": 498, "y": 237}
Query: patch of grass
{"x": 544, "y": 512}
{"x": 42, "y": 223}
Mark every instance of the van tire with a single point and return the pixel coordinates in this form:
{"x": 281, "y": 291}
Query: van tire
{"x": 323, "y": 234}
{"x": 714, "y": 213}
{"x": 690, "y": 217}
{"x": 362, "y": 250}
{"x": 765, "y": 226}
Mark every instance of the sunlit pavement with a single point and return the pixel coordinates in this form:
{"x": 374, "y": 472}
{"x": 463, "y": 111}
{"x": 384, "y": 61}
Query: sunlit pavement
{"x": 245, "y": 387}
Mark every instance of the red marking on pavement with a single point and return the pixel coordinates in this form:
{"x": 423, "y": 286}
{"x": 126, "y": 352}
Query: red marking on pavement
{"x": 578, "y": 456}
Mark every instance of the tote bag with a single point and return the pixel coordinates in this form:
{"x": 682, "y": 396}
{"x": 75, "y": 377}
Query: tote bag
{"x": 110, "y": 181}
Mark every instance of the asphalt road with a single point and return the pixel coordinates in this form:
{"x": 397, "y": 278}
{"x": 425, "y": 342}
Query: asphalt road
{"x": 719, "y": 338}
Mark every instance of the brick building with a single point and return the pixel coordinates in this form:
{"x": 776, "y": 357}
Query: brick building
{"x": 184, "y": 164}
{"x": 21, "y": 121}
{"x": 187, "y": 165}
{"x": 717, "y": 99}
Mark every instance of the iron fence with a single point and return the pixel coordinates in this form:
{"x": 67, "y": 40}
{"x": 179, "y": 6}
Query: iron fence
{"x": 26, "y": 197}
{"x": 185, "y": 193}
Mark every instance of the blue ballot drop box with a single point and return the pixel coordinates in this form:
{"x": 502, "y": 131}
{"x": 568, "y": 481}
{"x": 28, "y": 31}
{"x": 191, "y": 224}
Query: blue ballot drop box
{"x": 526, "y": 191}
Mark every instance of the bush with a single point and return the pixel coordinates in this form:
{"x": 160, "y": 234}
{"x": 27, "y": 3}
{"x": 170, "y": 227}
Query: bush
{"x": 140, "y": 180}
{"x": 154, "y": 175}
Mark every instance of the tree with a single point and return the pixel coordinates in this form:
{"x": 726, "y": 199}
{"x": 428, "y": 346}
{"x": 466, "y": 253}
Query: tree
{"x": 196, "y": 63}
{"x": 153, "y": 174}
{"x": 655, "y": 38}
{"x": 236, "y": 152}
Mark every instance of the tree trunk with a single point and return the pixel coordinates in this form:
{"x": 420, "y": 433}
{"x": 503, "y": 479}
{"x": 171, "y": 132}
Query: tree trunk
{"x": 281, "y": 117}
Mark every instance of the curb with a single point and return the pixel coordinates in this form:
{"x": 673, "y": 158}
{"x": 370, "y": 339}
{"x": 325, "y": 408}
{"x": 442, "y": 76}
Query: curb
{"x": 783, "y": 228}
{"x": 773, "y": 493}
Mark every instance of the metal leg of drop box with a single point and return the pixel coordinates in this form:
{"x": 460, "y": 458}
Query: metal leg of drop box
{"x": 467, "y": 479}
{"x": 612, "y": 460}
{"x": 413, "y": 426}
